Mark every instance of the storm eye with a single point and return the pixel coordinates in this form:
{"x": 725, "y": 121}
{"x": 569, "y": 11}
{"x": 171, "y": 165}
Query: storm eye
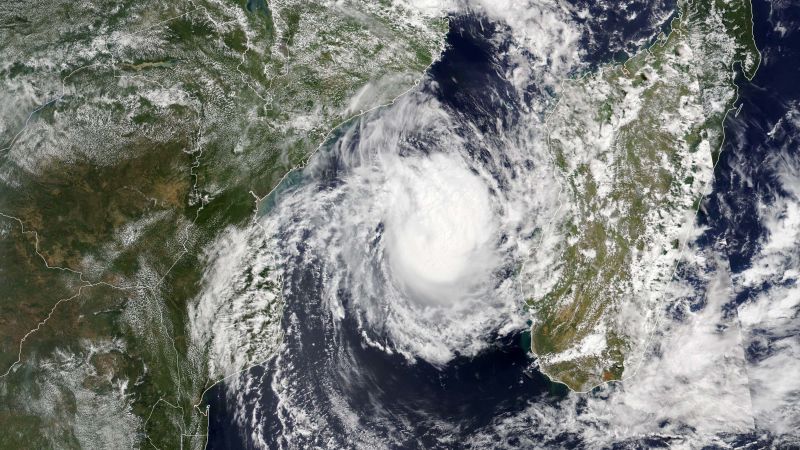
{"x": 440, "y": 227}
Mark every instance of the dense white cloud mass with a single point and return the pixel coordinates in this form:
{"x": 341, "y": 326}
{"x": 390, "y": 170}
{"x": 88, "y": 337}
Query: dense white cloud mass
{"x": 439, "y": 225}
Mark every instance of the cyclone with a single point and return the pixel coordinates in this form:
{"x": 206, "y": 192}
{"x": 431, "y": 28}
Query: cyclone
{"x": 414, "y": 237}
{"x": 399, "y": 248}
{"x": 439, "y": 225}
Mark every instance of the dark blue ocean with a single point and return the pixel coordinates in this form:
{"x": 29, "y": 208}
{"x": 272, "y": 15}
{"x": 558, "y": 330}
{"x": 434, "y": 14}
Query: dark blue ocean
{"x": 504, "y": 380}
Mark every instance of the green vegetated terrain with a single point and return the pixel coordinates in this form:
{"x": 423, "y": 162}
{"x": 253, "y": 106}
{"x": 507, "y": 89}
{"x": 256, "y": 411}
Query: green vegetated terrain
{"x": 635, "y": 146}
{"x": 131, "y": 135}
